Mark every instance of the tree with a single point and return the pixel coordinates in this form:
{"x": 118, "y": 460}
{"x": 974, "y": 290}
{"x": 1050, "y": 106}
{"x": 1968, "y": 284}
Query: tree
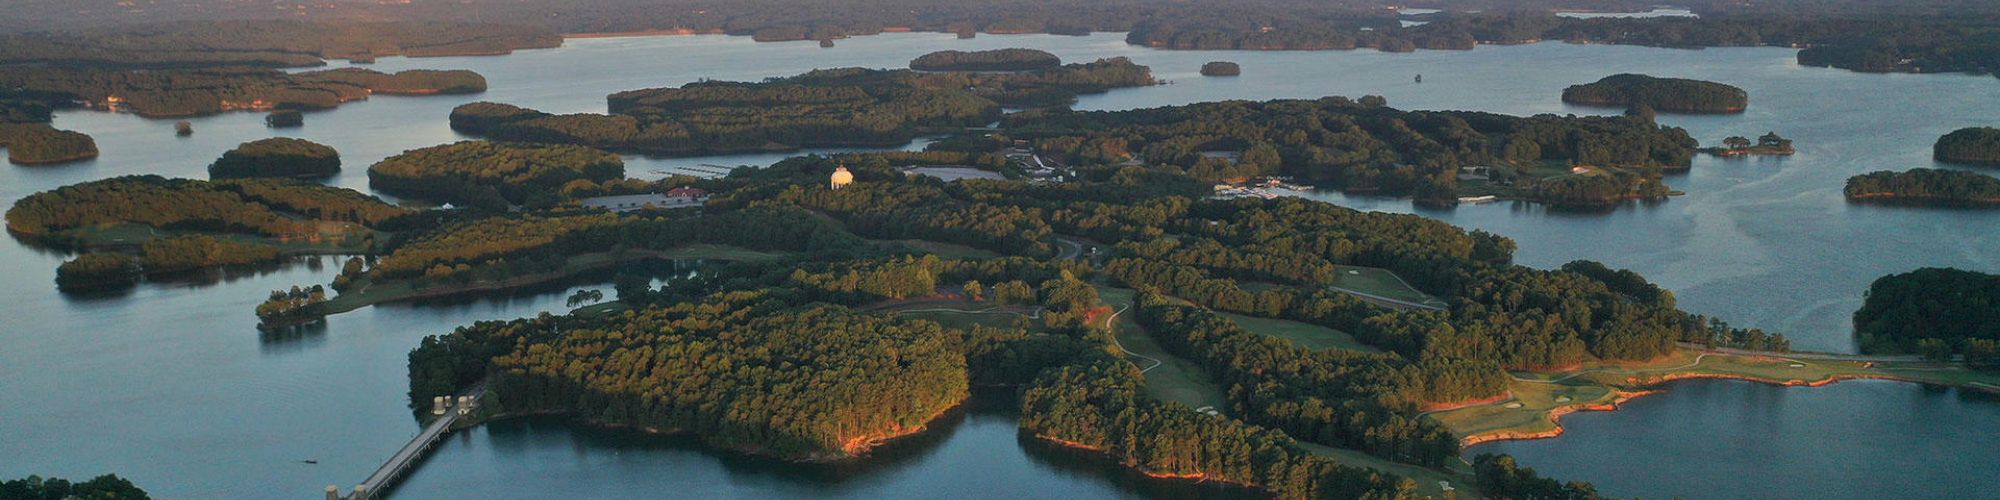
{"x": 1736, "y": 142}
{"x": 1934, "y": 349}
{"x": 973, "y": 291}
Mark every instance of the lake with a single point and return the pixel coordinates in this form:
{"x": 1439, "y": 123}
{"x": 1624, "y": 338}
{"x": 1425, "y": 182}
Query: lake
{"x": 170, "y": 384}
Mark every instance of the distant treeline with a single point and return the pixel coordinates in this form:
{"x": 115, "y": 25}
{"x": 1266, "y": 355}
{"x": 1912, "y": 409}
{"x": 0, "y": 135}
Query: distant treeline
{"x": 1934, "y": 312}
{"x": 1926, "y": 186}
{"x": 823, "y": 108}
{"x": 190, "y": 92}
{"x": 105, "y": 487}
{"x": 1677, "y": 95}
{"x": 110, "y": 270}
{"x": 265, "y": 43}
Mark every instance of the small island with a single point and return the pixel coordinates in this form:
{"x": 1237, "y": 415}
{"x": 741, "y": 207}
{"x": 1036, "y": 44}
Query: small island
{"x": 1935, "y": 312}
{"x": 1770, "y": 144}
{"x": 1221, "y": 68}
{"x": 1672, "y": 95}
{"x": 1926, "y": 186}
{"x": 285, "y": 118}
{"x": 283, "y": 157}
{"x": 288, "y": 308}
{"x": 986, "y": 60}
{"x": 1971, "y": 146}
{"x": 93, "y": 272}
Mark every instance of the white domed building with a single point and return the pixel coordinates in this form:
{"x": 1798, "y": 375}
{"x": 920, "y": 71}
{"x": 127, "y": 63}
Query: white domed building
{"x": 841, "y": 177}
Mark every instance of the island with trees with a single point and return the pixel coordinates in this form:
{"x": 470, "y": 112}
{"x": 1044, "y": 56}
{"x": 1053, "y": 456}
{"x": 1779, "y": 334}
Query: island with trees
{"x": 493, "y": 175}
{"x": 1769, "y": 144}
{"x": 1970, "y": 145}
{"x": 124, "y": 211}
{"x": 281, "y": 157}
{"x": 205, "y": 41}
{"x": 285, "y": 118}
{"x": 1925, "y": 186}
{"x": 1221, "y": 68}
{"x": 41, "y": 144}
{"x": 182, "y": 92}
{"x": 1673, "y": 95}
{"x": 846, "y": 107}
{"x": 986, "y": 60}
{"x": 1936, "y": 312}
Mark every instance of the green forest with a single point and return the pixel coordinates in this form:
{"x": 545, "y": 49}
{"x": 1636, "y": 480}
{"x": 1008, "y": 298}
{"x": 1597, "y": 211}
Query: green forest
{"x": 1925, "y": 186}
{"x": 1673, "y": 95}
{"x": 279, "y": 210}
{"x": 823, "y": 108}
{"x": 1970, "y": 145}
{"x": 1936, "y": 312}
{"x": 1221, "y": 68}
{"x": 281, "y": 157}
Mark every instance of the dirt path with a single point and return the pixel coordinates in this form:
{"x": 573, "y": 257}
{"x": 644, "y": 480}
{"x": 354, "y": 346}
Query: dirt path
{"x": 1121, "y": 347}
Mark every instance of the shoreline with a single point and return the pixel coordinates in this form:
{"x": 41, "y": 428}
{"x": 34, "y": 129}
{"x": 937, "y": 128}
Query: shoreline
{"x": 849, "y": 454}
{"x": 1657, "y": 385}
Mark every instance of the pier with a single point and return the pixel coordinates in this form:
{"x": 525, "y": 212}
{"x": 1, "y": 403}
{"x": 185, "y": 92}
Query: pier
{"x": 406, "y": 459}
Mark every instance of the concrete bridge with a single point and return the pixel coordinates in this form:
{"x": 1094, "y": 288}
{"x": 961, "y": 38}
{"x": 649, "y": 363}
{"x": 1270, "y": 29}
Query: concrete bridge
{"x": 406, "y": 459}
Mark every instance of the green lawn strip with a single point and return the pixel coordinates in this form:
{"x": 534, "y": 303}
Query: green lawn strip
{"x": 132, "y": 235}
{"x": 1380, "y": 282}
{"x": 1306, "y": 335}
{"x": 1460, "y": 476}
{"x": 1175, "y": 379}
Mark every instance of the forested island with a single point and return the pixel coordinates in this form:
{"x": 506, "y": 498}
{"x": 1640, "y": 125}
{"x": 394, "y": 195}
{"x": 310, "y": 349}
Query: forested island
{"x": 1365, "y": 146}
{"x": 41, "y": 144}
{"x": 1936, "y": 312}
{"x": 986, "y": 60}
{"x": 281, "y": 157}
{"x": 1221, "y": 68}
{"x": 1769, "y": 144}
{"x": 104, "y": 212}
{"x": 1925, "y": 186}
{"x": 493, "y": 175}
{"x": 823, "y": 108}
{"x": 105, "y": 487}
{"x": 1674, "y": 95}
{"x": 1970, "y": 145}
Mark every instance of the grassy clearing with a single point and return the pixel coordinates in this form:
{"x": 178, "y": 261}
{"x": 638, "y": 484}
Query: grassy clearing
{"x": 1459, "y": 474}
{"x": 1304, "y": 334}
{"x": 1174, "y": 379}
{"x": 1380, "y": 282}
{"x": 1538, "y": 396}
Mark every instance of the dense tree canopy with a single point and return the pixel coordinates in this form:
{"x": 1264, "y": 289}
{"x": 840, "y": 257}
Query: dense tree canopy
{"x": 1972, "y": 145}
{"x": 492, "y": 175}
{"x": 282, "y": 157}
{"x": 1663, "y": 94}
{"x": 1925, "y": 186}
{"x": 1958, "y": 309}
{"x": 1221, "y": 68}
{"x": 202, "y": 91}
{"x": 259, "y": 207}
{"x": 270, "y": 43}
{"x": 39, "y": 144}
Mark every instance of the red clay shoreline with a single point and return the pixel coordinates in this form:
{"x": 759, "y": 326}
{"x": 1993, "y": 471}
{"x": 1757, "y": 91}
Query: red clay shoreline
{"x": 1653, "y": 386}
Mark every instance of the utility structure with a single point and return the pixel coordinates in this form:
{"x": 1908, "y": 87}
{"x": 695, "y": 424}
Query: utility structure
{"x": 841, "y": 177}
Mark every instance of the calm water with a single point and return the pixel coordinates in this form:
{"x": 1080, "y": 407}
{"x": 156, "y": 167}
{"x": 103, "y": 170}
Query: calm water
{"x": 170, "y": 384}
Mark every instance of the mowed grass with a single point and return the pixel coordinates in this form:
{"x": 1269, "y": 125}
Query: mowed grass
{"x": 1380, "y": 282}
{"x": 1459, "y": 475}
{"x": 1305, "y": 335}
{"x": 945, "y": 250}
{"x": 1174, "y": 379}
